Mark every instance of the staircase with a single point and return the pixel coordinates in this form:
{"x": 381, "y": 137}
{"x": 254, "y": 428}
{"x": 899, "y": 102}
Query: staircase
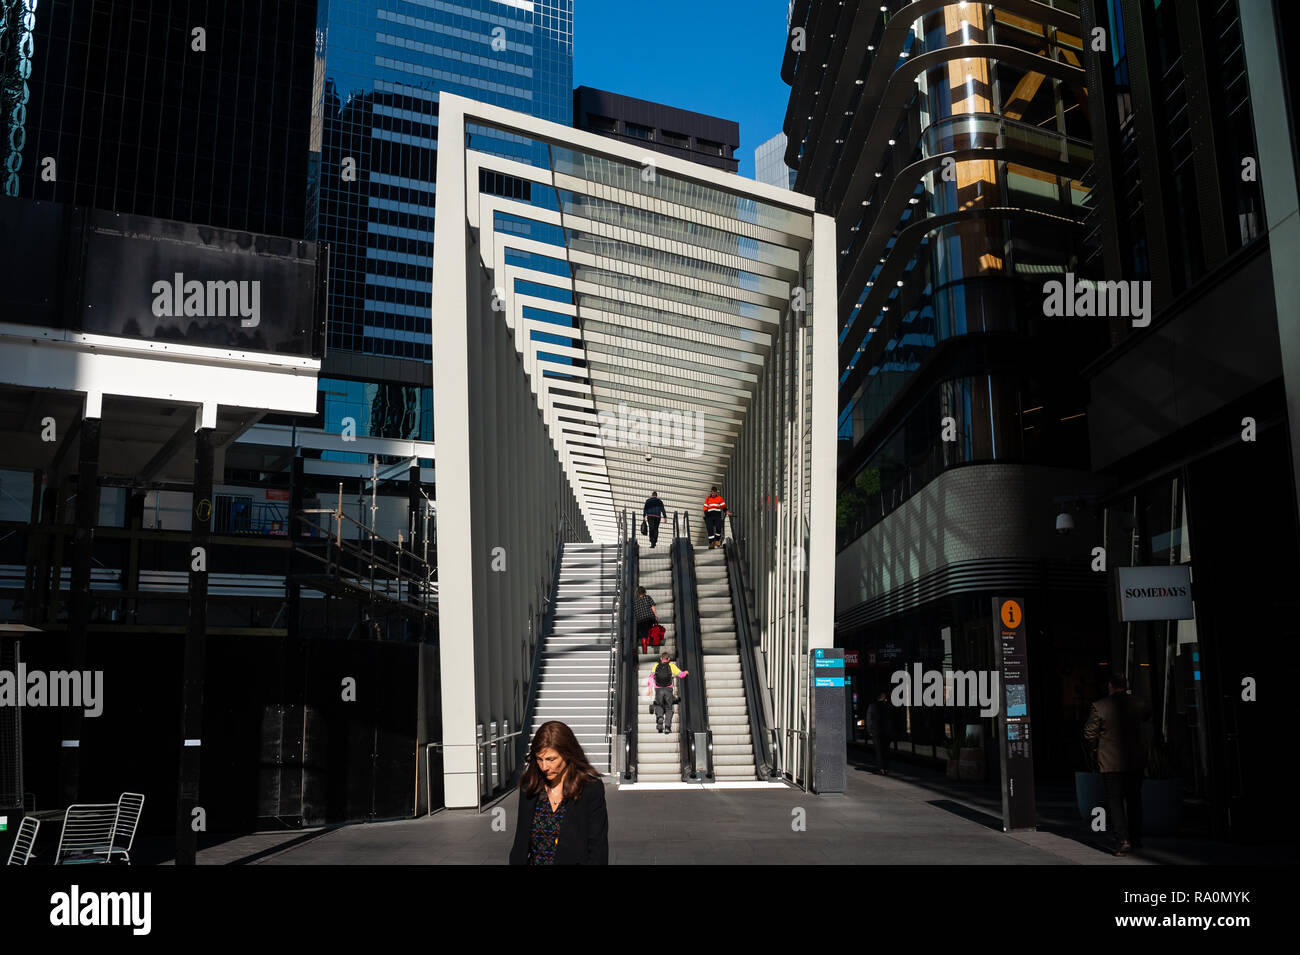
{"x": 724, "y": 687}
{"x": 658, "y": 755}
{"x": 573, "y": 685}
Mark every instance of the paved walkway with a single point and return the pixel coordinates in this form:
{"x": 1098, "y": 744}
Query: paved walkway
{"x": 907, "y": 817}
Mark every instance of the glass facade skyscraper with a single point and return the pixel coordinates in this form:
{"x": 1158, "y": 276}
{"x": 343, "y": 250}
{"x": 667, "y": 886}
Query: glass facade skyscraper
{"x": 380, "y": 69}
{"x": 177, "y": 109}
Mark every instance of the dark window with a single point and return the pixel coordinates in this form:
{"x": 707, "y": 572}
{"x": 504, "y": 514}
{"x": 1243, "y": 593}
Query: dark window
{"x": 638, "y": 131}
{"x": 602, "y": 124}
{"x": 710, "y": 147}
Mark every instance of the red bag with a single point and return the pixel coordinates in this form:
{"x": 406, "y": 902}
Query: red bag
{"x": 657, "y": 634}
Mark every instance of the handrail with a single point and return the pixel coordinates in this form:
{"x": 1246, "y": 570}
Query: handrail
{"x": 739, "y": 540}
{"x": 544, "y": 624}
{"x": 631, "y": 700}
{"x": 757, "y": 701}
{"x": 478, "y": 766}
{"x": 694, "y": 718}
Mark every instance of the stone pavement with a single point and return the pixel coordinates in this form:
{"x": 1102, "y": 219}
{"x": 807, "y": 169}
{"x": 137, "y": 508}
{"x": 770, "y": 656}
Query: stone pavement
{"x": 880, "y": 820}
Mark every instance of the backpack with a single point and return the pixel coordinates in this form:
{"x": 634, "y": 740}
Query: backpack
{"x": 664, "y": 675}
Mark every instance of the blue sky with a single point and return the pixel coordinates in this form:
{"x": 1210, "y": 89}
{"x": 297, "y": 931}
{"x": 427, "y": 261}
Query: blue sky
{"x": 721, "y": 57}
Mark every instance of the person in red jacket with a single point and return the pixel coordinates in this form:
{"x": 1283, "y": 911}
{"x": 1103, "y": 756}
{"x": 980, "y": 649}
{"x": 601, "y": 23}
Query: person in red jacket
{"x": 715, "y": 511}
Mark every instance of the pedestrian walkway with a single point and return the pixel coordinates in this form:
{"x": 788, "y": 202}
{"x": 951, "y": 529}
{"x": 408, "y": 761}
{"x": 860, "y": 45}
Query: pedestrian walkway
{"x": 880, "y": 821}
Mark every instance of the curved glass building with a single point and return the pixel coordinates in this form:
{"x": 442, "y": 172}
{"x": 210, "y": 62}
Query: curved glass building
{"x": 951, "y": 142}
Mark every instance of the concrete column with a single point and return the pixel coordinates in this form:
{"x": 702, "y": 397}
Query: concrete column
{"x": 825, "y": 404}
{"x": 80, "y": 603}
{"x": 453, "y": 288}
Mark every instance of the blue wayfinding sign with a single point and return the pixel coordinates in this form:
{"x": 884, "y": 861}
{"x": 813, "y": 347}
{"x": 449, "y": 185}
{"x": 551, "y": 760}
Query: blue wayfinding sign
{"x": 827, "y": 685}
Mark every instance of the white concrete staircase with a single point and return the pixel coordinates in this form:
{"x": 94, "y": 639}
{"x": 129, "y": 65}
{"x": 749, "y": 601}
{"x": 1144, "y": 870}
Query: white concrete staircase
{"x": 658, "y": 755}
{"x": 724, "y": 687}
{"x": 573, "y": 686}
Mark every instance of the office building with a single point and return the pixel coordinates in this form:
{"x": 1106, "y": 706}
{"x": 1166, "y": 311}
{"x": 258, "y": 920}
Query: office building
{"x": 769, "y": 163}
{"x": 184, "y": 111}
{"x": 1194, "y": 416}
{"x": 658, "y": 128}
{"x": 952, "y": 145}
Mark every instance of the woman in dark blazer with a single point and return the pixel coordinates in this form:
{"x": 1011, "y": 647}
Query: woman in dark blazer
{"x": 562, "y": 819}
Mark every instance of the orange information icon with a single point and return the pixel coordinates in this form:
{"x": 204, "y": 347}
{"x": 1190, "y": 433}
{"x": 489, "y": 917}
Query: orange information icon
{"x": 1012, "y": 616}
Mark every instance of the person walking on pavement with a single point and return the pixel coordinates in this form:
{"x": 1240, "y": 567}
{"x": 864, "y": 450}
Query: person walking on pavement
{"x": 653, "y": 513}
{"x": 562, "y": 816}
{"x": 664, "y": 691}
{"x": 1114, "y": 733}
{"x": 715, "y": 512}
{"x": 880, "y": 725}
{"x": 646, "y": 617}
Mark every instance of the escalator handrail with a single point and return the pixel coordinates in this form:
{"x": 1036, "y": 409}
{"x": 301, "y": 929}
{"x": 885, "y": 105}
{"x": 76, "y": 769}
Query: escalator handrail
{"x": 695, "y": 719}
{"x": 631, "y": 662}
{"x": 757, "y": 699}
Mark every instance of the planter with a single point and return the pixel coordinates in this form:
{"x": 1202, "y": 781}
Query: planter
{"x": 953, "y": 770}
{"x": 1162, "y": 806}
{"x": 1089, "y": 792}
{"x": 970, "y": 764}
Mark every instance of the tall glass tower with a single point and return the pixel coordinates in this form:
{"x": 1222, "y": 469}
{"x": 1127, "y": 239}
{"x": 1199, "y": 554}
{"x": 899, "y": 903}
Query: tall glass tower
{"x": 381, "y": 66}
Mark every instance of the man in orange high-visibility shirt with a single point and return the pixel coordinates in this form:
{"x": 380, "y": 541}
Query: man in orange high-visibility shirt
{"x": 715, "y": 510}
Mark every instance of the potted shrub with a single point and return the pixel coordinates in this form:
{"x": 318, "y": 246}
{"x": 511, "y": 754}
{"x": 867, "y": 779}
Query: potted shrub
{"x": 954, "y": 755}
{"x": 1162, "y": 793}
{"x": 970, "y": 758}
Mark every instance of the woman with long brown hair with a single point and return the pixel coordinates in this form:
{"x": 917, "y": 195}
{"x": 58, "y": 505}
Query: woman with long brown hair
{"x": 562, "y": 818}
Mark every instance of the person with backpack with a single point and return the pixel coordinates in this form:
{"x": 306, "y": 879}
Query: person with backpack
{"x": 646, "y": 617}
{"x": 651, "y": 515}
{"x": 664, "y": 690}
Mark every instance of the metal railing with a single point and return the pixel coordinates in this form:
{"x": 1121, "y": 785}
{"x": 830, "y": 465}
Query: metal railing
{"x": 785, "y": 771}
{"x": 387, "y": 569}
{"x": 489, "y": 747}
{"x": 615, "y": 646}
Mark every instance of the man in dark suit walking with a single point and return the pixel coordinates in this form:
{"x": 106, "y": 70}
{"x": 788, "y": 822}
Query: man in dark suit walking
{"x": 1114, "y": 732}
{"x": 880, "y": 726}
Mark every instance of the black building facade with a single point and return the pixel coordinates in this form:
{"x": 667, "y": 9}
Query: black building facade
{"x": 1194, "y": 416}
{"x": 161, "y": 109}
{"x": 659, "y": 128}
{"x": 153, "y": 218}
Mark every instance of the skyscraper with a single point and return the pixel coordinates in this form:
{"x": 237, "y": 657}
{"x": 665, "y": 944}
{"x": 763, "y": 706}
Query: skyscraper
{"x": 1190, "y": 413}
{"x": 951, "y": 145}
{"x": 665, "y": 129}
{"x": 177, "y": 110}
{"x": 769, "y": 163}
{"x": 380, "y": 69}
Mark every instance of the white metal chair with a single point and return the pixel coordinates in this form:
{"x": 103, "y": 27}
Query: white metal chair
{"x": 88, "y": 831}
{"x": 129, "y": 807}
{"x": 21, "y": 852}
